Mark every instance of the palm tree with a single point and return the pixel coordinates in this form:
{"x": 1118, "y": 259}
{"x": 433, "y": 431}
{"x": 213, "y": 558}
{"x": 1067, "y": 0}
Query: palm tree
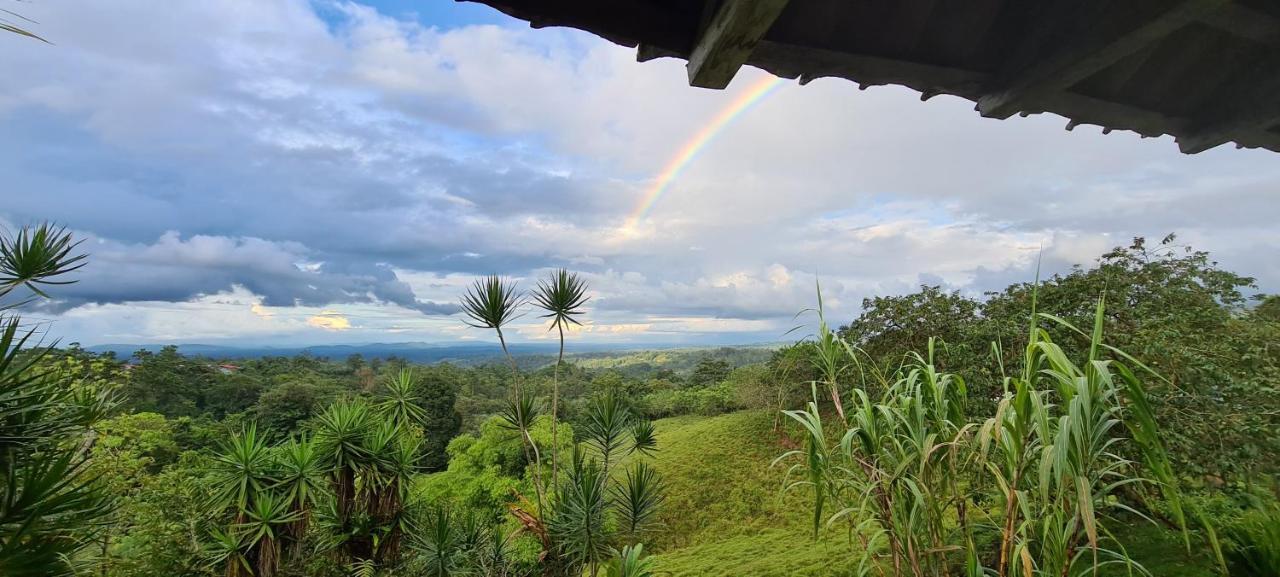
{"x": 562, "y": 296}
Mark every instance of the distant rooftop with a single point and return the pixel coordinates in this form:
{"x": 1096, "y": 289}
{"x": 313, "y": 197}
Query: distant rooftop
{"x": 1205, "y": 71}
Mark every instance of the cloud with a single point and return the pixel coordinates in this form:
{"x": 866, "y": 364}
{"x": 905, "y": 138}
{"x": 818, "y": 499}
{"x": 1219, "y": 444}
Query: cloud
{"x": 311, "y": 156}
{"x": 329, "y": 320}
{"x": 282, "y": 274}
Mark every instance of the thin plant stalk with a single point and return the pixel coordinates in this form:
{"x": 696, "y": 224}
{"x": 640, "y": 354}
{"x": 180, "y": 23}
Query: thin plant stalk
{"x": 562, "y": 295}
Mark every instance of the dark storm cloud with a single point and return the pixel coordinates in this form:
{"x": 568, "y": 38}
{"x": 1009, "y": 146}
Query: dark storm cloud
{"x": 174, "y": 269}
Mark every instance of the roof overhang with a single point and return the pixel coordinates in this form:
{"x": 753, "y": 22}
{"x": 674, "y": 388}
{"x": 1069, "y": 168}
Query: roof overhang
{"x": 1204, "y": 71}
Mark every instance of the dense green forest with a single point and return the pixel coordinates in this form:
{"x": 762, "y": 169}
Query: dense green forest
{"x": 1117, "y": 419}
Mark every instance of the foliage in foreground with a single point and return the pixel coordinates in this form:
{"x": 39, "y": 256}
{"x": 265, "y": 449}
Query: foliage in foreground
{"x": 1253, "y": 544}
{"x": 914, "y": 478}
{"x": 49, "y": 505}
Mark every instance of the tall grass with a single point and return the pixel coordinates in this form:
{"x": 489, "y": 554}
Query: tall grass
{"x": 925, "y": 490}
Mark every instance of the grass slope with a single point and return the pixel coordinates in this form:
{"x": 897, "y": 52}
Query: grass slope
{"x": 725, "y": 515}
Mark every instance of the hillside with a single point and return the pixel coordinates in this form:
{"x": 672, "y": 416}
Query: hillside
{"x": 724, "y": 514}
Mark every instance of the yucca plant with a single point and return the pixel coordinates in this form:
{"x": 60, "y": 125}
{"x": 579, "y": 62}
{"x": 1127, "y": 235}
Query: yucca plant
{"x": 562, "y": 295}
{"x": 300, "y": 478}
{"x": 440, "y": 544}
{"x": 402, "y": 403}
{"x": 644, "y": 437}
{"x": 264, "y": 525}
{"x": 609, "y": 421}
{"x": 492, "y": 303}
{"x": 35, "y": 256}
{"x": 340, "y": 439}
{"x": 631, "y": 561}
{"x": 638, "y": 498}
{"x": 578, "y": 521}
{"x": 395, "y": 453}
{"x": 49, "y": 506}
{"x": 11, "y": 21}
{"x": 241, "y": 471}
{"x": 520, "y": 414}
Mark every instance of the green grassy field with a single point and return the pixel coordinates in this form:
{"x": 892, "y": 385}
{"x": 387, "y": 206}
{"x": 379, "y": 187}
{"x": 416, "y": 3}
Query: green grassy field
{"x": 725, "y": 515}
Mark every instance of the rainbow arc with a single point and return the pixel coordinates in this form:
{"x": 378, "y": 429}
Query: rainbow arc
{"x": 695, "y": 145}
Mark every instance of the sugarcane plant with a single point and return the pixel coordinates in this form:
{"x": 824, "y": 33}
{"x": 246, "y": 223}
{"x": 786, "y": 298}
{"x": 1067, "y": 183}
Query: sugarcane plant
{"x": 909, "y": 473}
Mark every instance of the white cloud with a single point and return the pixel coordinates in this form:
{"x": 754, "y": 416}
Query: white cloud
{"x": 371, "y": 161}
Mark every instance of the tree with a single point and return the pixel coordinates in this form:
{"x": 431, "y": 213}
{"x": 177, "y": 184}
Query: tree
{"x": 709, "y": 371}
{"x": 283, "y": 409}
{"x": 441, "y": 422}
{"x": 169, "y": 383}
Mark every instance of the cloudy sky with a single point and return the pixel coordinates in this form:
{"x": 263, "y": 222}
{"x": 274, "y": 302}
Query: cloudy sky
{"x": 286, "y": 172}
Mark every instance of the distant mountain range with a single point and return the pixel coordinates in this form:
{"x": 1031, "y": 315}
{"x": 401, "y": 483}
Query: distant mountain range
{"x": 413, "y": 352}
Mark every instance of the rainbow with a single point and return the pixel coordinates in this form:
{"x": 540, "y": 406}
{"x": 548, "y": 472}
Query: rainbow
{"x": 694, "y": 146}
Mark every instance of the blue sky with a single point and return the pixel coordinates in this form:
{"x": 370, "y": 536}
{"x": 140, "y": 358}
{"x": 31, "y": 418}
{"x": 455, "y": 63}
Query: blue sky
{"x": 295, "y": 172}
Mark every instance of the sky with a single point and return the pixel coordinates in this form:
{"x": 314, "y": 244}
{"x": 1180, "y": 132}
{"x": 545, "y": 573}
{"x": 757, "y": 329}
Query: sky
{"x": 305, "y": 172}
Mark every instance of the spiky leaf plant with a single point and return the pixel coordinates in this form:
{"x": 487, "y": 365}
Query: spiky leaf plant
{"x": 11, "y": 21}
{"x": 241, "y": 470}
{"x": 561, "y": 295}
{"x": 34, "y": 256}
{"x": 300, "y": 479}
{"x": 644, "y": 437}
{"x": 492, "y": 303}
{"x": 49, "y": 506}
{"x": 638, "y": 497}
{"x": 609, "y": 421}
{"x": 440, "y": 545}
{"x": 631, "y": 561}
{"x": 578, "y": 521}
{"x": 402, "y": 402}
{"x": 264, "y": 525}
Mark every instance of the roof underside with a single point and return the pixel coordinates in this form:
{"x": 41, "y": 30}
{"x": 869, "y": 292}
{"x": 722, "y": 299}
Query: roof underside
{"x": 1205, "y": 71}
